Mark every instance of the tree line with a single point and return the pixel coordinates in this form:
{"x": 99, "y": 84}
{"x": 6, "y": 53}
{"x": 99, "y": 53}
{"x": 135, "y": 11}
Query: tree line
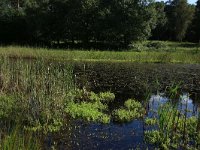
{"x": 117, "y": 22}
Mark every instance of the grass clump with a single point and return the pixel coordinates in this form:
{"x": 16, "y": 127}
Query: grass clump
{"x": 132, "y": 110}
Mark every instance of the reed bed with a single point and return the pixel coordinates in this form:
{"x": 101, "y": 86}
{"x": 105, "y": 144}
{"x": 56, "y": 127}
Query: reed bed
{"x": 33, "y": 93}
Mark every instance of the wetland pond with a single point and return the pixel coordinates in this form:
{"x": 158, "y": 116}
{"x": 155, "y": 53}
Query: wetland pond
{"x": 163, "y": 102}
{"x": 130, "y": 80}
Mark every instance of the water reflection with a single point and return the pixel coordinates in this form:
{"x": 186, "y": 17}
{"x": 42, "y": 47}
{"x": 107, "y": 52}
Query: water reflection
{"x": 85, "y": 135}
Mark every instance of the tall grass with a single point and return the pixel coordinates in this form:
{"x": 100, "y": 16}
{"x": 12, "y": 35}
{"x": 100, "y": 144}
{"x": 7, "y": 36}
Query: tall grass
{"x": 175, "y": 130}
{"x": 20, "y": 140}
{"x": 33, "y": 93}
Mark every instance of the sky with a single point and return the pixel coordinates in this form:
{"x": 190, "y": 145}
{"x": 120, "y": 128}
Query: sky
{"x": 189, "y": 1}
{"x": 192, "y": 1}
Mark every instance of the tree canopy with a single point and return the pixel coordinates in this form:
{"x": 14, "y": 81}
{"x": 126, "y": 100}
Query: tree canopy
{"x": 117, "y": 22}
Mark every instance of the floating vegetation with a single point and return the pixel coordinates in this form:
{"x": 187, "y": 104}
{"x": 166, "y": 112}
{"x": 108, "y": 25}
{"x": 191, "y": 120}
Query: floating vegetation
{"x": 132, "y": 110}
{"x": 93, "y": 107}
{"x": 106, "y": 97}
{"x": 88, "y": 111}
{"x": 90, "y": 106}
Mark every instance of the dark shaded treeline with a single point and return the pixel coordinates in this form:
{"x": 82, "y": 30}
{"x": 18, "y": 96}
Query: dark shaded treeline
{"x": 96, "y": 22}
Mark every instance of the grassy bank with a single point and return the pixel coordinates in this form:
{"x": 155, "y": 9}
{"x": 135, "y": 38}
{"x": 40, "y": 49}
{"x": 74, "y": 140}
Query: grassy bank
{"x": 142, "y": 52}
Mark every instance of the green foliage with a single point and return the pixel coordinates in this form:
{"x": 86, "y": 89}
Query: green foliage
{"x": 94, "y": 97}
{"x": 94, "y": 108}
{"x": 7, "y": 105}
{"x": 88, "y": 111}
{"x": 90, "y": 106}
{"x": 181, "y": 15}
{"x": 84, "y": 95}
{"x": 196, "y": 23}
{"x": 153, "y": 137}
{"x": 132, "y": 104}
{"x": 106, "y": 97}
{"x": 175, "y": 130}
{"x": 161, "y": 20}
{"x": 150, "y": 121}
{"x": 49, "y": 22}
{"x": 123, "y": 115}
{"x": 18, "y": 140}
{"x": 133, "y": 110}
{"x": 176, "y": 53}
{"x": 39, "y": 90}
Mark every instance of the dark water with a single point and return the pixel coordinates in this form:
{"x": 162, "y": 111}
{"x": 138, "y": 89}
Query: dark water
{"x": 81, "y": 135}
{"x": 135, "y": 79}
{"x": 128, "y": 80}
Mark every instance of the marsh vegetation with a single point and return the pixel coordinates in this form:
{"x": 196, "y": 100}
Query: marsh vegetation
{"x": 87, "y": 74}
{"x": 45, "y": 101}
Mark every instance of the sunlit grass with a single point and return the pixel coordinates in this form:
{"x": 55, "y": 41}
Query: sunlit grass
{"x": 175, "y": 55}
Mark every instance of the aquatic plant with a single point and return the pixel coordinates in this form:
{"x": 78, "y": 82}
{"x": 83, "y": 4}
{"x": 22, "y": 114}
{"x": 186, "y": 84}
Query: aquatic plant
{"x": 88, "y": 111}
{"x": 154, "y": 137}
{"x": 132, "y": 110}
{"x": 150, "y": 121}
{"x": 94, "y": 97}
{"x": 89, "y": 96}
{"x": 123, "y": 115}
{"x": 132, "y": 104}
{"x": 174, "y": 130}
{"x": 106, "y": 97}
